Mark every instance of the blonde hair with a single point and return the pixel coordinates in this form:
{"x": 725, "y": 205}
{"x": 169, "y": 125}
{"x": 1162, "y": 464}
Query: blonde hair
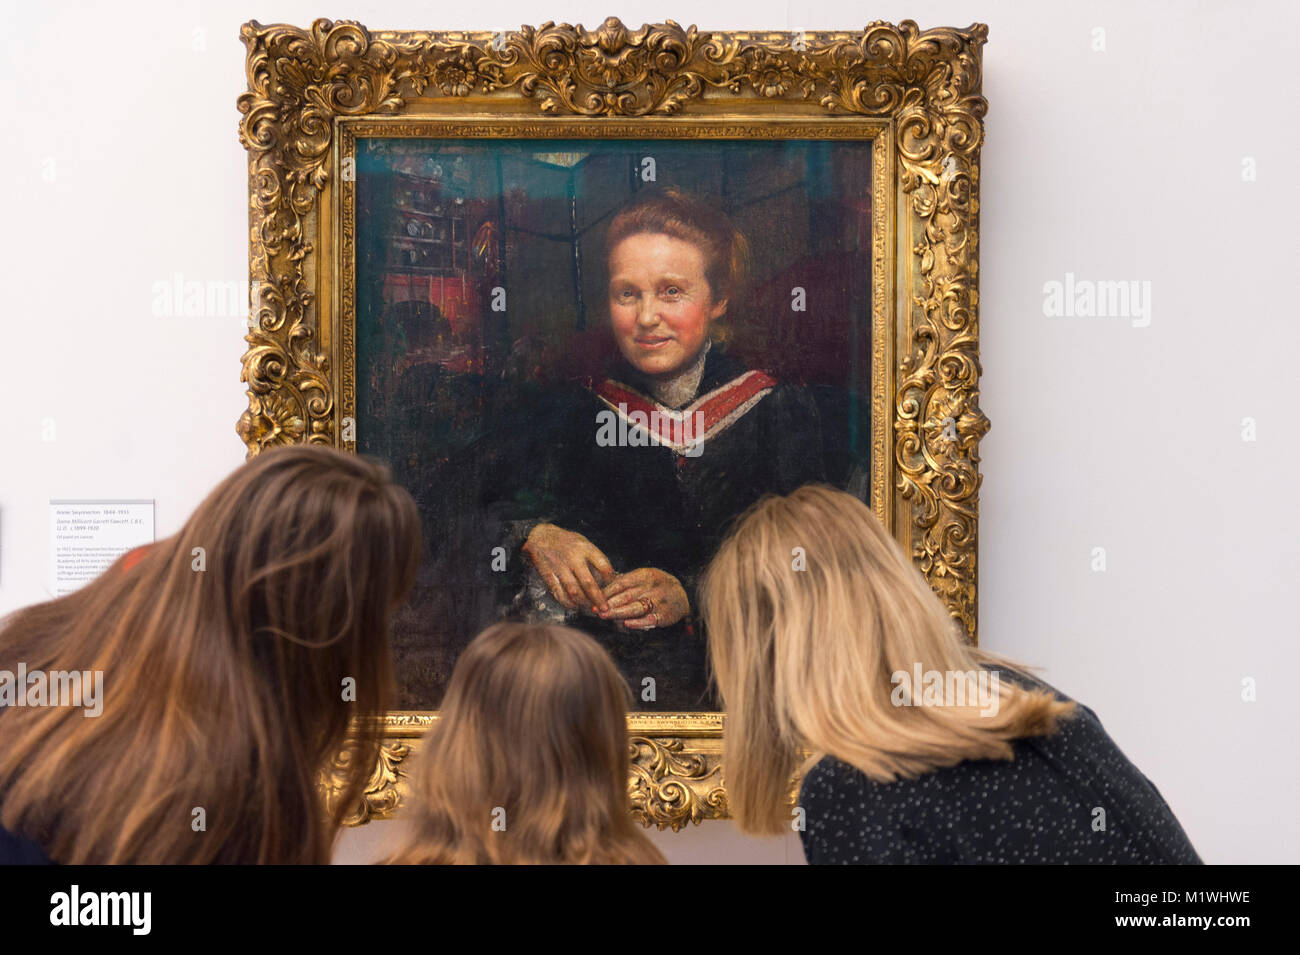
{"x": 529, "y": 760}
{"x": 804, "y": 659}
{"x": 222, "y": 685}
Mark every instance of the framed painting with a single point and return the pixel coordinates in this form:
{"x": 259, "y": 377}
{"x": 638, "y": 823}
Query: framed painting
{"x": 606, "y": 288}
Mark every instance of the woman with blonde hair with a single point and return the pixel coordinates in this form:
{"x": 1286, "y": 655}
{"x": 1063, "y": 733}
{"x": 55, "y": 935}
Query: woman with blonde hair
{"x": 826, "y": 639}
{"x": 233, "y": 656}
{"x": 529, "y": 761}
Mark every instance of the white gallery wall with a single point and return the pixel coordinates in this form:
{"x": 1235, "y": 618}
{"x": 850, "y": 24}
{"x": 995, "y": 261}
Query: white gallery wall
{"x": 1134, "y": 141}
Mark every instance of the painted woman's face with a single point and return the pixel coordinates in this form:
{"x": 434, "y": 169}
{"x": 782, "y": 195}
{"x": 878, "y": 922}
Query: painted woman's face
{"x": 660, "y": 304}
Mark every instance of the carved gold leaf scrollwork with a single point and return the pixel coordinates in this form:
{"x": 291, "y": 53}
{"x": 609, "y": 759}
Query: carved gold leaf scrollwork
{"x": 926, "y": 84}
{"x": 670, "y": 787}
{"x": 938, "y": 422}
{"x": 382, "y": 791}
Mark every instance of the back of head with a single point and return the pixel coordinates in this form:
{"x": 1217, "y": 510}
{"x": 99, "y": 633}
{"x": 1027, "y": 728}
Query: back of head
{"x": 811, "y": 609}
{"x": 224, "y": 655}
{"x": 529, "y": 760}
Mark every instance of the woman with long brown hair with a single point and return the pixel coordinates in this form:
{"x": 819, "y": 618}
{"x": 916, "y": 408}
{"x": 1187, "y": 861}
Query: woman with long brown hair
{"x": 528, "y": 763}
{"x": 234, "y": 655}
{"x": 826, "y": 639}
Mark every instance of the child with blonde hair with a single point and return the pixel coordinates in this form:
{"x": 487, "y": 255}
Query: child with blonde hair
{"x": 529, "y": 760}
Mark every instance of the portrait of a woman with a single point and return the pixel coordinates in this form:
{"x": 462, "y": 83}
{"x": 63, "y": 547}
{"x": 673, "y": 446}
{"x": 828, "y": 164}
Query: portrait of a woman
{"x": 583, "y": 373}
{"x": 621, "y": 528}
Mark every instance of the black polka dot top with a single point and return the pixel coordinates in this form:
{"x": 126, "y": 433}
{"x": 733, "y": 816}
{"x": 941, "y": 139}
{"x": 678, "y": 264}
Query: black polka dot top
{"x": 1042, "y": 807}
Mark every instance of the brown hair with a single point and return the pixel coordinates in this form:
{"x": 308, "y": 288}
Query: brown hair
{"x": 805, "y": 656}
{"x": 529, "y": 760}
{"x": 224, "y": 672}
{"x": 680, "y": 215}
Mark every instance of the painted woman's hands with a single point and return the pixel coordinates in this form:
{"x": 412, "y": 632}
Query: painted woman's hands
{"x": 566, "y": 561}
{"x": 580, "y": 577}
{"x": 646, "y": 598}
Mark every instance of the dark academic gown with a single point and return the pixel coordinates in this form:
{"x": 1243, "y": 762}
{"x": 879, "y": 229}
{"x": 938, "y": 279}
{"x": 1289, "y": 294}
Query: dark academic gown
{"x": 659, "y": 505}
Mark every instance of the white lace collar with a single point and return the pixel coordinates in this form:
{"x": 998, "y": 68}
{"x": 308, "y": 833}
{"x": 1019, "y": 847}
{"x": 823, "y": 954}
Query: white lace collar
{"x": 681, "y": 388}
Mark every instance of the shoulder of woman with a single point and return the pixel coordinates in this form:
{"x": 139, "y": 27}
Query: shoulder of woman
{"x": 781, "y": 395}
{"x": 831, "y": 776}
{"x": 791, "y": 411}
{"x": 1023, "y": 678}
{"x": 1029, "y": 681}
{"x": 19, "y": 850}
{"x": 793, "y": 395}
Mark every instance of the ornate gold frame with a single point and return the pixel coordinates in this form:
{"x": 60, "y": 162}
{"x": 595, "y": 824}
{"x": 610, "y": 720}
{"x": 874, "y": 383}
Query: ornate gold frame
{"x": 915, "y": 94}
